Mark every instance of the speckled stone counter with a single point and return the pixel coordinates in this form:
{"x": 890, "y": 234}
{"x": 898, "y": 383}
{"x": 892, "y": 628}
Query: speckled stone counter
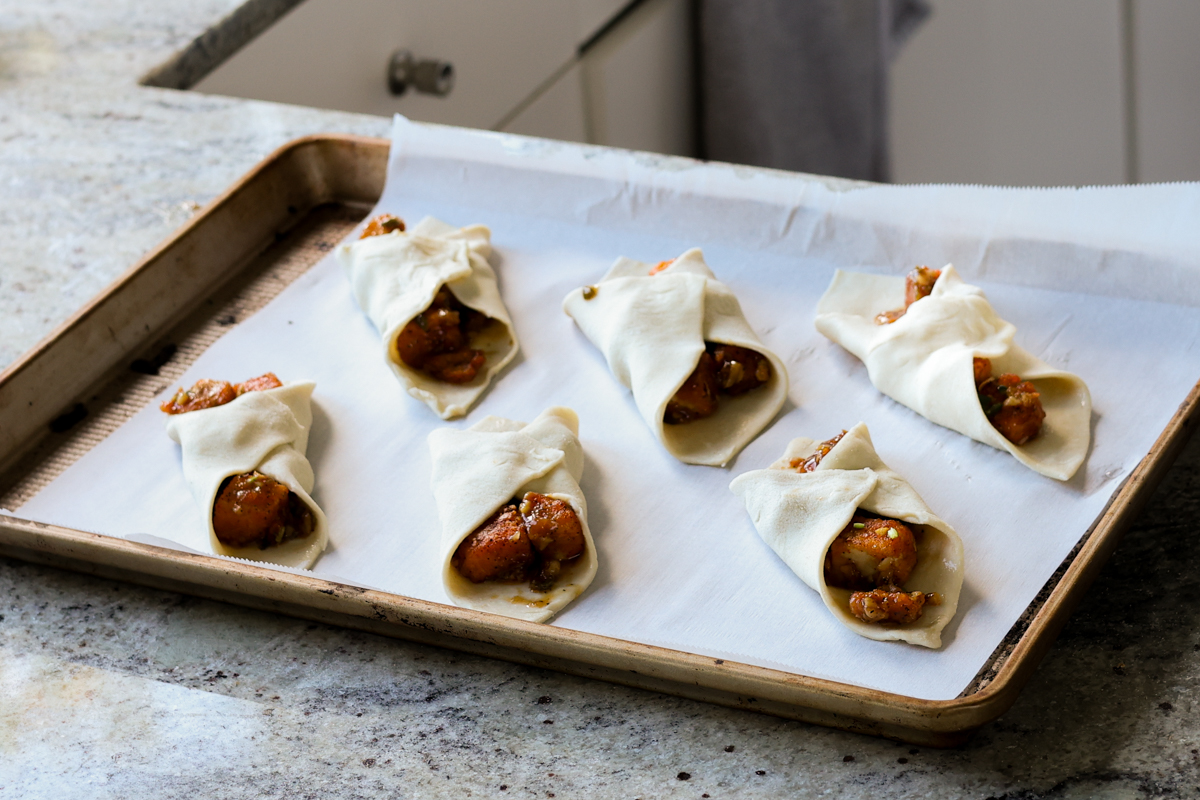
{"x": 96, "y": 169}
{"x": 110, "y": 690}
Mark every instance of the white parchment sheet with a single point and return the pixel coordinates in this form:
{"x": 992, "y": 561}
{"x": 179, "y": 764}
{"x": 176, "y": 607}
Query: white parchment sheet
{"x": 1102, "y": 282}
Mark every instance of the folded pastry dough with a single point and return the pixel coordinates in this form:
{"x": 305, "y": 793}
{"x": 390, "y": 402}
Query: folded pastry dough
{"x": 265, "y": 431}
{"x": 652, "y": 330}
{"x": 800, "y": 514}
{"x": 480, "y": 469}
{"x": 394, "y": 278}
{"x": 924, "y": 360}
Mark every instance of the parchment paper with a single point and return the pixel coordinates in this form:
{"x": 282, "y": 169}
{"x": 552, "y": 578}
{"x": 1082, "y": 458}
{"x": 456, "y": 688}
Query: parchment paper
{"x": 1082, "y": 274}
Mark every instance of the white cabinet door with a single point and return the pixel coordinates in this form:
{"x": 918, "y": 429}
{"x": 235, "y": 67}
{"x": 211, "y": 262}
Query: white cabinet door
{"x": 1166, "y": 73}
{"x": 1020, "y": 92}
{"x": 632, "y": 89}
{"x": 334, "y": 54}
{"x": 638, "y": 82}
{"x": 557, "y": 113}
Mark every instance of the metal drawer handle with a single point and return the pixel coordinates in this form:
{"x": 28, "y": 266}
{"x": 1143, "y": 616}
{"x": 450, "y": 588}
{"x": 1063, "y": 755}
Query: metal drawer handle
{"x": 428, "y": 76}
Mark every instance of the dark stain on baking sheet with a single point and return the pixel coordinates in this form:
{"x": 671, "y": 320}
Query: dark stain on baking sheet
{"x": 151, "y": 366}
{"x": 69, "y": 419}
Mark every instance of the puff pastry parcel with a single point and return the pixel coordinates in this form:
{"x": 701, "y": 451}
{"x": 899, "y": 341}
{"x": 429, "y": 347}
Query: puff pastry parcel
{"x": 515, "y": 539}
{"x": 677, "y": 337}
{"x": 434, "y": 299}
{"x": 855, "y": 531}
{"x": 928, "y": 355}
{"x": 243, "y": 458}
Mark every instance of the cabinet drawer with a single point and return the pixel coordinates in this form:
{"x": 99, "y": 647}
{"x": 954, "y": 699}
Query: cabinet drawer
{"x": 334, "y": 54}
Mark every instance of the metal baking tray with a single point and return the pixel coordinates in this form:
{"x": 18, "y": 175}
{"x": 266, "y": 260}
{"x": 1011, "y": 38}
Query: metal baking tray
{"x": 135, "y": 339}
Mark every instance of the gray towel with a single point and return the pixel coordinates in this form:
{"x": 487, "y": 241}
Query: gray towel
{"x": 800, "y": 84}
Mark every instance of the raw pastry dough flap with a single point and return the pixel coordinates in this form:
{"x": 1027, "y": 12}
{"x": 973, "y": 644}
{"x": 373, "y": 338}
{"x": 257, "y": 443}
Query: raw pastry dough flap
{"x": 652, "y": 331}
{"x": 395, "y": 277}
{"x": 800, "y": 514}
{"x": 265, "y": 431}
{"x": 480, "y": 469}
{"x": 924, "y": 360}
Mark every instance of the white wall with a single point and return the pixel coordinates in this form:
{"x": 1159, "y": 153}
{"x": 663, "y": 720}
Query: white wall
{"x": 1049, "y": 92}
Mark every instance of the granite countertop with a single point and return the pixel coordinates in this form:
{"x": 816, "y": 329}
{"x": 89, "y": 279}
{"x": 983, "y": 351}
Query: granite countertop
{"x": 112, "y": 690}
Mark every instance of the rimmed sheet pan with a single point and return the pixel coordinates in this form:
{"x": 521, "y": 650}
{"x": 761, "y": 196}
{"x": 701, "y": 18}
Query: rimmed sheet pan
{"x": 229, "y": 261}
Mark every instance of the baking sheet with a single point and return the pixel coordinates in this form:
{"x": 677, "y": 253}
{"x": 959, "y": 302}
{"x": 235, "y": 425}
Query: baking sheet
{"x": 680, "y": 563}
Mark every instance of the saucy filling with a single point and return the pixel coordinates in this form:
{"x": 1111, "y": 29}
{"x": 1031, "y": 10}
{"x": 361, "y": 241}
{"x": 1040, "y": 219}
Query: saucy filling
{"x": 873, "y": 558}
{"x": 1012, "y": 405}
{"x": 917, "y": 285}
{"x": 438, "y": 340}
{"x": 723, "y": 369}
{"x": 809, "y": 464}
{"x": 206, "y": 393}
{"x": 384, "y": 223}
{"x": 251, "y": 508}
{"x": 254, "y": 509}
{"x": 533, "y": 538}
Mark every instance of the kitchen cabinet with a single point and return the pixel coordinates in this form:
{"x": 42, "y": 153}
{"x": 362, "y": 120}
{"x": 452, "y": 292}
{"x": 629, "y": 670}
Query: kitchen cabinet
{"x": 520, "y": 65}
